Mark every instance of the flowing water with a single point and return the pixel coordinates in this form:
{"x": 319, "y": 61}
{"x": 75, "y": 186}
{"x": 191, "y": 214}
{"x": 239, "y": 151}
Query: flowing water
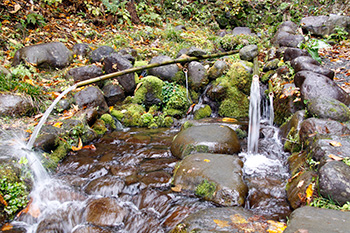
{"x": 271, "y": 111}
{"x": 254, "y": 116}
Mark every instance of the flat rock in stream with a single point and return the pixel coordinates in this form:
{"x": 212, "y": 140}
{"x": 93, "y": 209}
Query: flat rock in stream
{"x": 227, "y": 219}
{"x": 205, "y": 138}
{"x": 50, "y": 55}
{"x": 214, "y": 177}
{"x": 315, "y": 220}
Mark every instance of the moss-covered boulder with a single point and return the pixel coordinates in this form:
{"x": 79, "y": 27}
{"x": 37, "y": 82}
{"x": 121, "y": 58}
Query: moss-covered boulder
{"x": 214, "y": 177}
{"x": 205, "y": 138}
{"x": 175, "y": 100}
{"x": 202, "y": 112}
{"x": 150, "y": 91}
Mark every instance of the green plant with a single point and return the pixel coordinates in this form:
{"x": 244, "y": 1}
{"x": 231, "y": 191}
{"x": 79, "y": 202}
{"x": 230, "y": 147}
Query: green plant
{"x": 312, "y": 45}
{"x": 206, "y": 189}
{"x": 54, "y": 2}
{"x": 339, "y": 34}
{"x": 328, "y": 203}
{"x": 346, "y": 160}
{"x": 35, "y": 20}
{"x": 118, "y": 8}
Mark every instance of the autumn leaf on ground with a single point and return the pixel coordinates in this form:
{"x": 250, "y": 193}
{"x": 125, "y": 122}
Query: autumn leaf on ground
{"x": 221, "y": 223}
{"x": 177, "y": 188}
{"x": 228, "y": 119}
{"x": 58, "y": 124}
{"x": 238, "y": 219}
{"x": 89, "y": 147}
{"x": 335, "y": 157}
{"x": 335, "y": 143}
{"x": 309, "y": 192}
{"x": 6, "y": 227}
{"x": 80, "y": 146}
{"x": 31, "y": 209}
{"x": 276, "y": 227}
{"x": 207, "y": 160}
{"x": 2, "y": 200}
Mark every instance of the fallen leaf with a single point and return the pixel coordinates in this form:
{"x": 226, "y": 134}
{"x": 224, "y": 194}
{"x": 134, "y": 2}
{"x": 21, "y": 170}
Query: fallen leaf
{"x": 31, "y": 209}
{"x": 221, "y": 223}
{"x": 276, "y": 227}
{"x": 207, "y": 160}
{"x": 177, "y": 188}
{"x": 58, "y": 124}
{"x": 238, "y": 219}
{"x": 2, "y": 200}
{"x": 228, "y": 119}
{"x": 80, "y": 146}
{"x": 300, "y": 184}
{"x": 110, "y": 108}
{"x": 90, "y": 147}
{"x": 6, "y": 227}
{"x": 17, "y": 8}
{"x": 335, "y": 143}
{"x": 309, "y": 192}
{"x": 335, "y": 157}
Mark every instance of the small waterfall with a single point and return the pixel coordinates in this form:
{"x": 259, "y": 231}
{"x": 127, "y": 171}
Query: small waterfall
{"x": 272, "y": 115}
{"x": 45, "y": 116}
{"x": 186, "y": 76}
{"x": 254, "y": 116}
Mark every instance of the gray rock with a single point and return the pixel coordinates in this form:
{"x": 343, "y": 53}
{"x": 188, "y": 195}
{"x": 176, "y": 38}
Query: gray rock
{"x": 165, "y": 73}
{"x": 334, "y": 181}
{"x": 205, "y": 138}
{"x": 215, "y": 177}
{"x": 316, "y": 85}
{"x": 197, "y": 75}
{"x": 313, "y": 126}
{"x": 46, "y": 142}
{"x": 50, "y": 55}
{"x": 85, "y": 72}
{"x": 286, "y": 35}
{"x": 81, "y": 49}
{"x": 113, "y": 93}
{"x": 105, "y": 186}
{"x": 328, "y": 108}
{"x": 271, "y": 65}
{"x": 196, "y": 52}
{"x": 91, "y": 97}
{"x": 293, "y": 124}
{"x": 293, "y": 26}
{"x": 15, "y": 105}
{"x": 292, "y": 53}
{"x": 88, "y": 228}
{"x": 100, "y": 53}
{"x": 248, "y": 52}
{"x": 309, "y": 64}
{"x": 324, "y": 25}
{"x": 104, "y": 211}
{"x": 241, "y": 31}
{"x": 317, "y": 220}
{"x": 116, "y": 62}
{"x": 131, "y": 51}
{"x": 182, "y": 52}
{"x": 217, "y": 69}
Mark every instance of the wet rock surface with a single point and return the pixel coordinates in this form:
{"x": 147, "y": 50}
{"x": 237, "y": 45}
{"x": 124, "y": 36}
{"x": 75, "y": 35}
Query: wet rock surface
{"x": 85, "y": 72}
{"x": 15, "y": 105}
{"x": 91, "y": 97}
{"x": 328, "y": 108}
{"x": 206, "y": 138}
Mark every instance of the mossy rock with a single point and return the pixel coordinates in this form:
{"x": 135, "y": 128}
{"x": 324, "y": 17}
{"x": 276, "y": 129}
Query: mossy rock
{"x": 57, "y": 155}
{"x": 235, "y": 105}
{"x": 117, "y": 114}
{"x": 202, "y": 112}
{"x": 240, "y": 76}
{"x": 146, "y": 120}
{"x": 99, "y": 127}
{"x": 150, "y": 91}
{"x": 109, "y": 121}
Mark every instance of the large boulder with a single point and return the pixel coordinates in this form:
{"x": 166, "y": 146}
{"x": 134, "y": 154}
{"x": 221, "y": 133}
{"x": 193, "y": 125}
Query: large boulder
{"x": 100, "y": 53}
{"x": 113, "y": 93}
{"x": 324, "y": 25}
{"x": 248, "y": 52}
{"x": 115, "y": 62}
{"x": 313, "y": 85}
{"x": 150, "y": 91}
{"x": 286, "y": 35}
{"x": 165, "y": 73}
{"x": 334, "y": 181}
{"x": 85, "y": 72}
{"x": 328, "y": 108}
{"x": 215, "y": 177}
{"x": 217, "y": 69}
{"x": 292, "y": 53}
{"x": 205, "y": 138}
{"x": 197, "y": 75}
{"x": 317, "y": 220}
{"x": 49, "y": 55}
{"x": 310, "y": 64}
{"x": 91, "y": 97}
{"x": 15, "y": 105}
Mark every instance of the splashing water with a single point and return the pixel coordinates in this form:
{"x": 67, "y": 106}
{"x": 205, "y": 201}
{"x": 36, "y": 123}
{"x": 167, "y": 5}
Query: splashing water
{"x": 272, "y": 115}
{"x": 254, "y": 116}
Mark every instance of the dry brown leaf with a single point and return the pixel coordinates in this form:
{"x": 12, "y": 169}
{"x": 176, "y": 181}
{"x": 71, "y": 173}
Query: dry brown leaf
{"x": 80, "y": 146}
{"x": 229, "y": 119}
{"x": 90, "y": 147}
{"x": 238, "y": 219}
{"x": 6, "y": 227}
{"x": 335, "y": 157}
{"x": 177, "y": 188}
{"x": 58, "y": 124}
{"x": 17, "y": 8}
{"x": 335, "y": 143}
{"x": 2, "y": 200}
{"x": 221, "y": 223}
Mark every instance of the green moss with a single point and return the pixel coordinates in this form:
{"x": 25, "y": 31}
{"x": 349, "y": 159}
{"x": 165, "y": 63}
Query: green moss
{"x": 206, "y": 189}
{"x": 186, "y": 125}
{"x": 179, "y": 78}
{"x": 173, "y": 112}
{"x": 99, "y": 127}
{"x": 175, "y": 100}
{"x": 168, "y": 122}
{"x": 108, "y": 119}
{"x": 292, "y": 143}
{"x": 117, "y": 114}
{"x": 189, "y": 149}
{"x": 202, "y": 112}
{"x": 240, "y": 76}
{"x": 146, "y": 119}
{"x": 153, "y": 126}
{"x": 135, "y": 108}
{"x": 266, "y": 77}
{"x": 235, "y": 105}
{"x": 57, "y": 155}
{"x": 151, "y": 85}
{"x": 241, "y": 133}
{"x": 231, "y": 42}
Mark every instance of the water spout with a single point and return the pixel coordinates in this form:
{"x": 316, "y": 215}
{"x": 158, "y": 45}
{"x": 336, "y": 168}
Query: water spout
{"x": 254, "y": 116}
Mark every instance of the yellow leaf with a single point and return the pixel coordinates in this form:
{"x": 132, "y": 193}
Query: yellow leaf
{"x": 334, "y": 157}
{"x": 228, "y": 119}
{"x": 335, "y": 143}
{"x": 177, "y": 188}
{"x": 207, "y": 160}
{"x": 110, "y": 108}
{"x": 2, "y": 200}
{"x": 238, "y": 219}
{"x": 58, "y": 124}
{"x": 30, "y": 81}
{"x": 80, "y": 145}
{"x": 276, "y": 227}
{"x": 221, "y": 223}
{"x": 309, "y": 191}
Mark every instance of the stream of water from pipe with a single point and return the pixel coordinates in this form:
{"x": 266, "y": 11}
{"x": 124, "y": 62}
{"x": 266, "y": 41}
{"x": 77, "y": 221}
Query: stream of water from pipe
{"x": 254, "y": 116}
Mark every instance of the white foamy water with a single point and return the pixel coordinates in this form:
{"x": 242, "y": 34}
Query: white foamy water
{"x": 254, "y": 116}
{"x": 272, "y": 114}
